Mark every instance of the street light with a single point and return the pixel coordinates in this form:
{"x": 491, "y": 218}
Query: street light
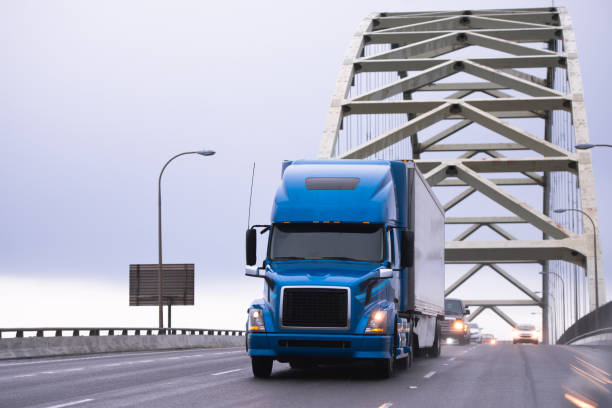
{"x": 563, "y": 286}
{"x": 587, "y": 146}
{"x": 160, "y": 282}
{"x": 562, "y": 210}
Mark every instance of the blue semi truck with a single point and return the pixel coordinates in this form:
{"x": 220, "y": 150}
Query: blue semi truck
{"x": 354, "y": 267}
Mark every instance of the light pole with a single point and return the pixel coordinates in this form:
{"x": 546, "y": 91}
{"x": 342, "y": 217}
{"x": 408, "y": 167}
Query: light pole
{"x": 562, "y": 210}
{"x": 587, "y": 146}
{"x": 551, "y": 317}
{"x": 160, "y": 281}
{"x": 563, "y": 286}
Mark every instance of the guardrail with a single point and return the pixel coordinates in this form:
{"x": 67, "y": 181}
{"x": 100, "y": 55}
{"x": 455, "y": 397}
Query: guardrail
{"x": 113, "y": 331}
{"x": 597, "y": 323}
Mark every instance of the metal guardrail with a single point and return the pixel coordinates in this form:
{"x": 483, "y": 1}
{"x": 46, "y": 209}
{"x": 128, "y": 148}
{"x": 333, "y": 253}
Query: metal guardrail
{"x": 115, "y": 331}
{"x": 595, "y": 323}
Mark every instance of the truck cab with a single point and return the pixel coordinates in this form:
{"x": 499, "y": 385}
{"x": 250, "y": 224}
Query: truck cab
{"x": 338, "y": 268}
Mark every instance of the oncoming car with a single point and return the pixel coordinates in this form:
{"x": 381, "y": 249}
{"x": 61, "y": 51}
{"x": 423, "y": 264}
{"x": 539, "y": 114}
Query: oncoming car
{"x": 525, "y": 333}
{"x": 475, "y": 333}
{"x": 488, "y": 339}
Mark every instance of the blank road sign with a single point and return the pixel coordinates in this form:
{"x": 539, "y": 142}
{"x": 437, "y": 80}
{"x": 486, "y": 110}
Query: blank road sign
{"x": 178, "y": 284}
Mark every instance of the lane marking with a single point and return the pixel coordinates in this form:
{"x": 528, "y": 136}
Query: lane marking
{"x": 429, "y": 374}
{"x": 452, "y": 359}
{"x": 113, "y": 355}
{"x": 413, "y": 387}
{"x": 23, "y": 375}
{"x": 69, "y": 404}
{"x": 227, "y": 372}
{"x": 386, "y": 405}
{"x": 444, "y": 364}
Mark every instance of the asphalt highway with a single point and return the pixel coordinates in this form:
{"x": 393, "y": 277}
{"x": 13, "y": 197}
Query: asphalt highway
{"x": 503, "y": 375}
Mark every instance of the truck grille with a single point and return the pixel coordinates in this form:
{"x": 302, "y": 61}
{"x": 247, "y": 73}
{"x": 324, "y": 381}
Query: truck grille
{"x": 445, "y": 326}
{"x": 315, "y": 307}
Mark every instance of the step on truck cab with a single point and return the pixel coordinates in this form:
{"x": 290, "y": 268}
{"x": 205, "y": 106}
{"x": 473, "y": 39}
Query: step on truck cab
{"x": 354, "y": 267}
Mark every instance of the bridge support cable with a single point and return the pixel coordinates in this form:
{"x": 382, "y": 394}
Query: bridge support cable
{"x": 495, "y": 97}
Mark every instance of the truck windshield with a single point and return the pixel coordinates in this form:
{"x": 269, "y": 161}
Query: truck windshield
{"x": 353, "y": 242}
{"x": 453, "y": 307}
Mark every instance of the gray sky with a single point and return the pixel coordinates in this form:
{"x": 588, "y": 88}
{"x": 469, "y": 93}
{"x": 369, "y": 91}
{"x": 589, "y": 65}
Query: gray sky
{"x": 96, "y": 96}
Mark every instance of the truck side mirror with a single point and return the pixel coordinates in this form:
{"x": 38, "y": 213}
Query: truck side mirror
{"x": 467, "y": 311}
{"x": 407, "y": 249}
{"x": 251, "y": 247}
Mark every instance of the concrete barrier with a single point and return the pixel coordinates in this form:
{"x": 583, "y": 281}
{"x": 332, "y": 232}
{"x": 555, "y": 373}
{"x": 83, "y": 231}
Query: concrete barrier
{"x": 61, "y": 346}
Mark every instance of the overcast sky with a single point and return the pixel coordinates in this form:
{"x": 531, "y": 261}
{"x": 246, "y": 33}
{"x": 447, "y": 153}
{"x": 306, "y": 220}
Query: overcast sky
{"x": 97, "y": 95}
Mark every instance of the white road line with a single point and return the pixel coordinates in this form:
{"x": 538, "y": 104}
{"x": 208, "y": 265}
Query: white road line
{"x": 429, "y": 374}
{"x": 23, "y": 375}
{"x": 413, "y": 387}
{"x": 386, "y": 405}
{"x": 111, "y": 365}
{"x": 227, "y": 372}
{"x": 69, "y": 404}
{"x": 452, "y": 359}
{"x": 444, "y": 364}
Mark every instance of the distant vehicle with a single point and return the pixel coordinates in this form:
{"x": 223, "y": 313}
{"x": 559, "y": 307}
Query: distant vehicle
{"x": 488, "y": 338}
{"x": 475, "y": 332}
{"x": 454, "y": 326}
{"x": 525, "y": 333}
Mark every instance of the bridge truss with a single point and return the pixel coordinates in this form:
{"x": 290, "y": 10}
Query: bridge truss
{"x": 505, "y": 85}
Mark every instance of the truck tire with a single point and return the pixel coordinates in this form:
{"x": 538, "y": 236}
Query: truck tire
{"x": 384, "y": 366}
{"x": 262, "y": 366}
{"x": 434, "y": 351}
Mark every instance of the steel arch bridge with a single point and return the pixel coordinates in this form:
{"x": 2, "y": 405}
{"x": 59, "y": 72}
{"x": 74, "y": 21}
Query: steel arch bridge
{"x": 504, "y": 85}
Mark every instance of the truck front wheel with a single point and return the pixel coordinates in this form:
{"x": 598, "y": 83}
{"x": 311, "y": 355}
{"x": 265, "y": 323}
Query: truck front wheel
{"x": 262, "y": 366}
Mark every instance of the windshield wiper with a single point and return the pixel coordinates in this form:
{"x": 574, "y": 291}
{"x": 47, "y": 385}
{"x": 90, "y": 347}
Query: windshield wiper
{"x": 340, "y": 258}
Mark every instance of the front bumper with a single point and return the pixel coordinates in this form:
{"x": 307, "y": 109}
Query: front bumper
{"x": 457, "y": 335}
{"x": 525, "y": 340}
{"x": 318, "y": 345}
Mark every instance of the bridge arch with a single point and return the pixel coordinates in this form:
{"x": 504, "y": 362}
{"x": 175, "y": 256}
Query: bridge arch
{"x": 505, "y": 85}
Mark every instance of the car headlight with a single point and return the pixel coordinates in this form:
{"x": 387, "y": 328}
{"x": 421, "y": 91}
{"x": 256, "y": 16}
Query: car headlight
{"x": 377, "y": 322}
{"x": 458, "y": 325}
{"x": 534, "y": 334}
{"x": 256, "y": 320}
{"x": 515, "y": 333}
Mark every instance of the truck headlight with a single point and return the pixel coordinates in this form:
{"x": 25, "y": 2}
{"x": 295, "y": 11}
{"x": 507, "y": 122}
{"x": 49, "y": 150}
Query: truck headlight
{"x": 256, "y": 321}
{"x": 458, "y": 325}
{"x": 377, "y": 322}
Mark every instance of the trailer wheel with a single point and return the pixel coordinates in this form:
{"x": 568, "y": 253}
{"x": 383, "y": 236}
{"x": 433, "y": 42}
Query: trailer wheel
{"x": 434, "y": 351}
{"x": 262, "y": 366}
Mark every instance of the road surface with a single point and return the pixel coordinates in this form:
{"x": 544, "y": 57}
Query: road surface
{"x": 498, "y": 376}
